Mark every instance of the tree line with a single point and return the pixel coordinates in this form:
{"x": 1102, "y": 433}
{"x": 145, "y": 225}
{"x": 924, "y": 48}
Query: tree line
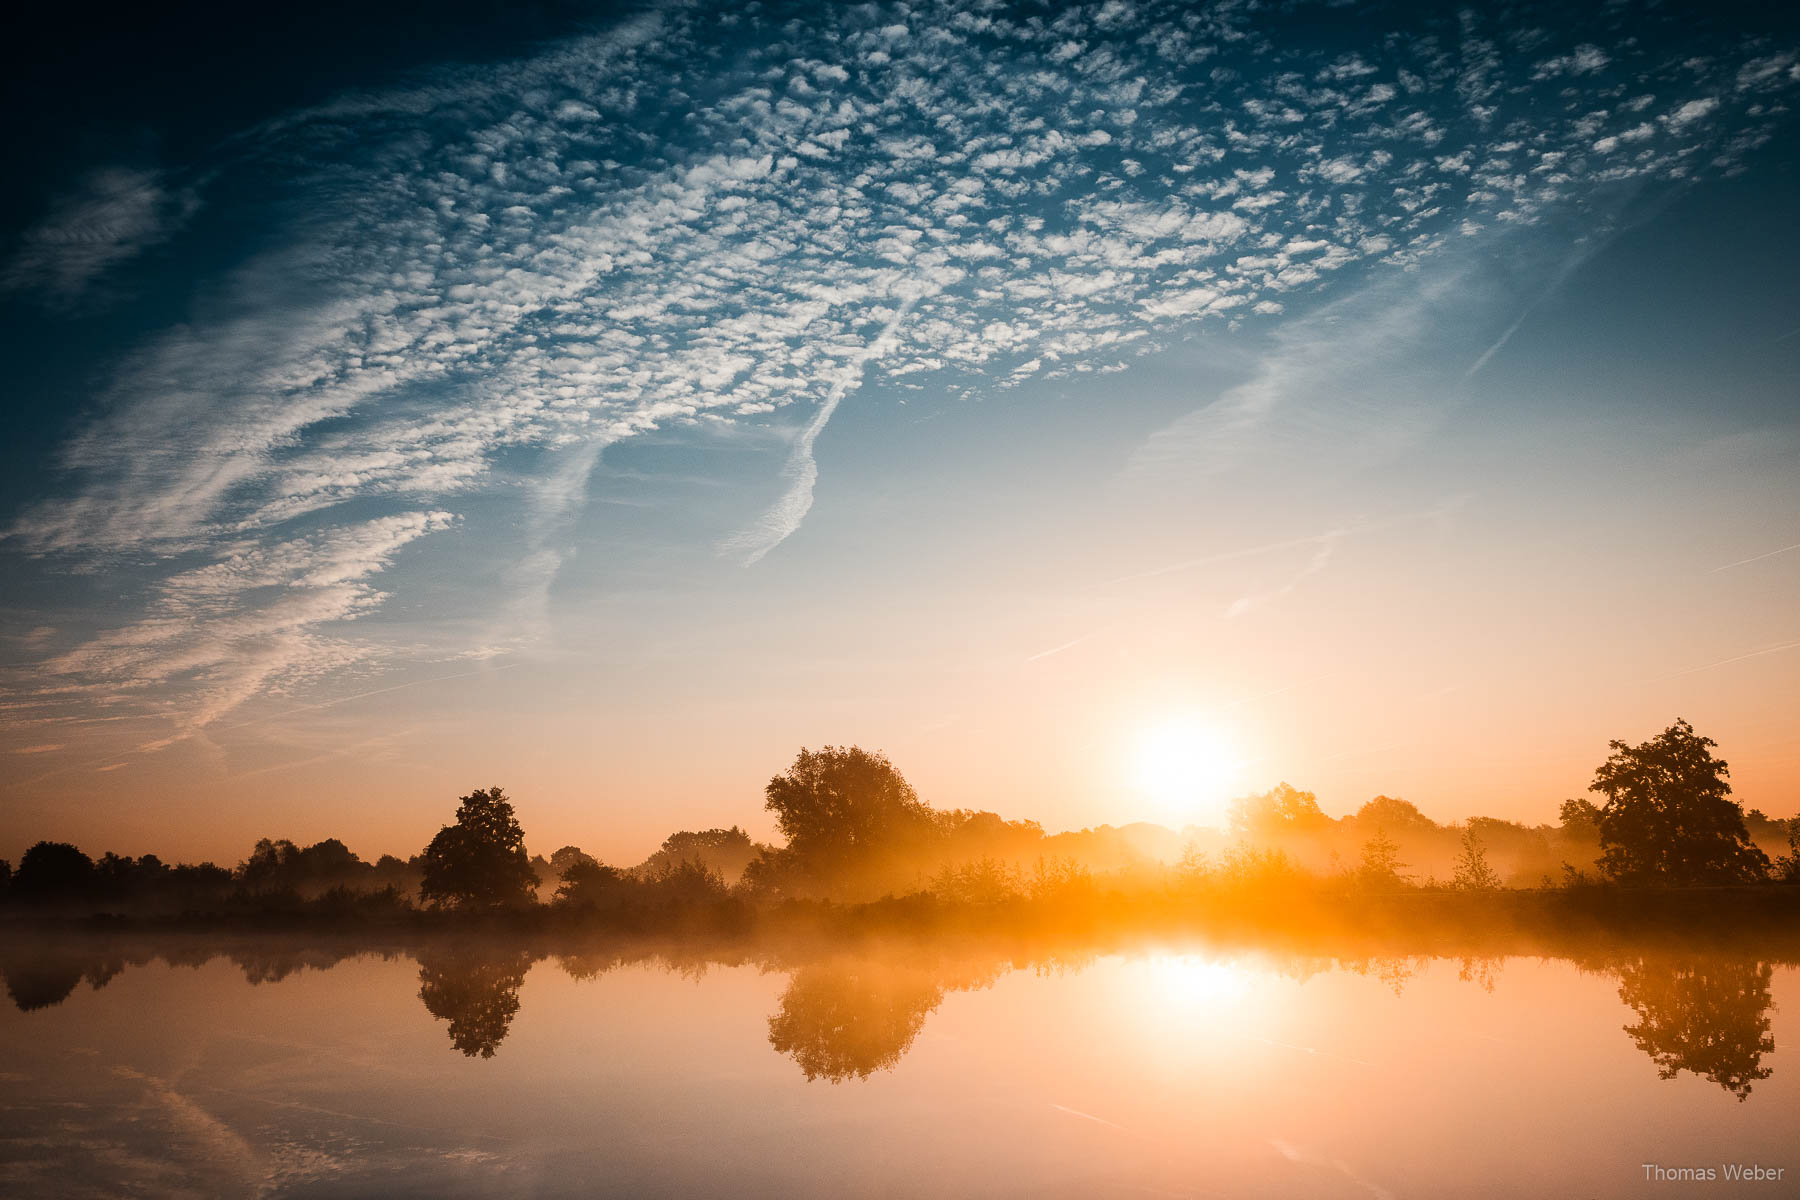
{"x": 855, "y": 830}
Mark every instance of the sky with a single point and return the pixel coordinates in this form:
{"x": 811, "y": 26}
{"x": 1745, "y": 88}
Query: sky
{"x": 606, "y": 402}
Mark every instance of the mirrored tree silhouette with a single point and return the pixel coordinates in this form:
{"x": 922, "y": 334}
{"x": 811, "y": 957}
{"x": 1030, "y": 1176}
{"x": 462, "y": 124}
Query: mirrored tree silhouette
{"x": 850, "y": 1019}
{"x": 476, "y": 991}
{"x": 36, "y": 981}
{"x": 41, "y": 984}
{"x": 1710, "y": 1017}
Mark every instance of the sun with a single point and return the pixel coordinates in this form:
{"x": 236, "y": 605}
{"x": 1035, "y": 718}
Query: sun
{"x": 1188, "y": 766}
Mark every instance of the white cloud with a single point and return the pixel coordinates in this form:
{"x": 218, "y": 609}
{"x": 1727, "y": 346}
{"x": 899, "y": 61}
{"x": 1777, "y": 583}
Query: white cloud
{"x": 1690, "y": 113}
{"x": 114, "y": 215}
{"x": 528, "y": 263}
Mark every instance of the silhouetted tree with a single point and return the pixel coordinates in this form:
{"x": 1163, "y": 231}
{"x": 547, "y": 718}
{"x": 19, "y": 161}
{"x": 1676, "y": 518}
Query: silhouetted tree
{"x": 1669, "y": 818}
{"x": 837, "y": 803}
{"x": 1759, "y": 824}
{"x": 195, "y": 880}
{"x": 1787, "y": 867}
{"x": 973, "y": 834}
{"x": 1516, "y": 842}
{"x": 480, "y": 861}
{"x": 477, "y": 993}
{"x": 684, "y": 884}
{"x": 568, "y": 856}
{"x": 590, "y": 884}
{"x": 1580, "y": 817}
{"x": 120, "y": 875}
{"x": 726, "y": 851}
{"x": 1709, "y": 1017}
{"x": 1283, "y": 810}
{"x": 5, "y": 876}
{"x": 53, "y": 870}
{"x": 281, "y": 864}
{"x": 1390, "y": 813}
{"x": 1472, "y": 871}
{"x": 848, "y": 1020}
{"x": 983, "y": 882}
{"x": 269, "y": 862}
{"x": 1380, "y": 867}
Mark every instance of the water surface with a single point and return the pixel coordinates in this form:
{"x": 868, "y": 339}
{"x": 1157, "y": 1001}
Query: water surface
{"x": 467, "y": 1070}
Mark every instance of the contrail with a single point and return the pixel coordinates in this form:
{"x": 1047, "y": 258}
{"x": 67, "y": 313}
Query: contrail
{"x": 1754, "y": 558}
{"x": 1076, "y": 1112}
{"x": 1227, "y": 556}
{"x": 1068, "y": 645}
{"x": 1734, "y": 658}
{"x": 1308, "y": 1050}
{"x": 381, "y": 691}
{"x": 1440, "y": 513}
{"x": 91, "y": 763}
{"x": 785, "y": 515}
{"x": 1580, "y": 254}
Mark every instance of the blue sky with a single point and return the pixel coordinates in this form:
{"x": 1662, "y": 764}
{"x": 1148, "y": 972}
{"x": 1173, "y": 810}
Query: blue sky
{"x": 745, "y": 359}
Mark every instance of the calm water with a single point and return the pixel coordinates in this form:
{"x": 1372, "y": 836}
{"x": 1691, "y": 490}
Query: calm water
{"x": 482, "y": 1073}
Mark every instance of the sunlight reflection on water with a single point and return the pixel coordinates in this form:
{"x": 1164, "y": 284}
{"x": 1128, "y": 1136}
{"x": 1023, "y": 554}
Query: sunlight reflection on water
{"x": 475, "y": 1070}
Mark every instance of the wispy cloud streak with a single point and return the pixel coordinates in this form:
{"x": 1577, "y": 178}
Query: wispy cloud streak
{"x": 802, "y": 470}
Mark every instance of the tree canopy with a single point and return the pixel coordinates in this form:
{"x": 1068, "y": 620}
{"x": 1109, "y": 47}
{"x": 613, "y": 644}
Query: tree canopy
{"x": 838, "y": 802}
{"x": 480, "y": 861}
{"x": 1669, "y": 817}
{"x": 52, "y": 869}
{"x": 1283, "y": 809}
{"x": 1394, "y": 815}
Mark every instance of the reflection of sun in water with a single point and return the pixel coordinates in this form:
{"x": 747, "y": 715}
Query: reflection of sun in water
{"x": 1181, "y": 995}
{"x": 1189, "y": 767}
{"x": 1191, "y": 983}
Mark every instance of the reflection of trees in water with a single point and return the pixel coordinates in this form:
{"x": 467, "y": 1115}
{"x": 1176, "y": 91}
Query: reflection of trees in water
{"x": 1394, "y": 970}
{"x": 41, "y": 984}
{"x": 273, "y": 965}
{"x": 589, "y": 964}
{"x": 1483, "y": 970}
{"x": 46, "y": 980}
{"x": 847, "y": 1018}
{"x": 1710, "y": 1017}
{"x": 852, "y": 1019}
{"x": 476, "y": 991}
{"x": 842, "y": 1018}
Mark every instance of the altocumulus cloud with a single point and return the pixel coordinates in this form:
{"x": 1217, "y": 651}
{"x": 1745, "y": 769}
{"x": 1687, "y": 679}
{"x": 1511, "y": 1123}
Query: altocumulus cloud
{"x": 116, "y": 214}
{"x": 709, "y": 215}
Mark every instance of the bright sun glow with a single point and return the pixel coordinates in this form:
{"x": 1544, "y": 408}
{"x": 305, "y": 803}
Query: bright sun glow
{"x": 1188, "y": 1003}
{"x": 1189, "y": 767}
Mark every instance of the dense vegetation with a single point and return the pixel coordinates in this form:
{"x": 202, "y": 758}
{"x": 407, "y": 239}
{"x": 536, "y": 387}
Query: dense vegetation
{"x": 858, "y": 834}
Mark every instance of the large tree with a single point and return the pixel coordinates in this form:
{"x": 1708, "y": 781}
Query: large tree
{"x": 1669, "y": 817}
{"x": 1278, "y": 812}
{"x": 1391, "y": 814}
{"x": 480, "y": 861}
{"x": 53, "y": 870}
{"x": 838, "y": 803}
